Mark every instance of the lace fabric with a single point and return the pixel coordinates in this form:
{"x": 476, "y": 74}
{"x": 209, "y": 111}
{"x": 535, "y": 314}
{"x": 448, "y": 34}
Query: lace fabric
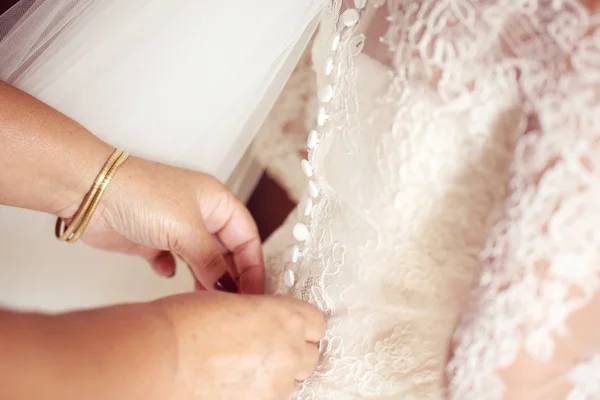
{"x": 455, "y": 149}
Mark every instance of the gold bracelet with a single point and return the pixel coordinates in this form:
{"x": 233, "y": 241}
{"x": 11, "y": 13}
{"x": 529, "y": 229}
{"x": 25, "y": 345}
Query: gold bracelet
{"x": 91, "y": 200}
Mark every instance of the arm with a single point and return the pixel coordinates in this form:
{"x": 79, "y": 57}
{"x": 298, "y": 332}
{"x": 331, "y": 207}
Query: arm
{"x": 47, "y": 160}
{"x": 183, "y": 347}
{"x": 48, "y": 163}
{"x": 178, "y": 348}
{"x": 124, "y": 352}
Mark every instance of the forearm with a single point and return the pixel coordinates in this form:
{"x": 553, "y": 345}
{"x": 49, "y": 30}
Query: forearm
{"x": 119, "y": 353}
{"x": 47, "y": 160}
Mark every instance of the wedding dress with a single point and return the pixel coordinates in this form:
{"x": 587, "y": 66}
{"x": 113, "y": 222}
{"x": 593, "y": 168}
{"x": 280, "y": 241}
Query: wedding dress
{"x": 448, "y": 225}
{"x": 183, "y": 82}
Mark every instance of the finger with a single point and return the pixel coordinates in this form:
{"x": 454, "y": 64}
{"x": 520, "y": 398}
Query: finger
{"x": 285, "y": 389}
{"x": 234, "y": 226}
{"x": 314, "y": 320}
{"x": 230, "y": 281}
{"x": 228, "y": 257}
{"x": 163, "y": 263}
{"x": 316, "y": 325}
{"x": 220, "y": 245}
{"x": 200, "y": 252}
{"x": 198, "y": 287}
{"x": 310, "y": 361}
{"x": 240, "y": 236}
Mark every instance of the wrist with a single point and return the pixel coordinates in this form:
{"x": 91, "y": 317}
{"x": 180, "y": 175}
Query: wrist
{"x": 48, "y": 161}
{"x": 82, "y": 168}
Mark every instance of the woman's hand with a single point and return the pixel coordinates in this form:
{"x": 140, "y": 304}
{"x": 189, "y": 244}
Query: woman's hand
{"x": 237, "y": 347}
{"x": 48, "y": 162}
{"x": 197, "y": 346}
{"x": 154, "y": 211}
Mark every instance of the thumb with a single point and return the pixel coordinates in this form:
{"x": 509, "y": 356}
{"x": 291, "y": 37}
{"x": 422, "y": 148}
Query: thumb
{"x": 201, "y": 253}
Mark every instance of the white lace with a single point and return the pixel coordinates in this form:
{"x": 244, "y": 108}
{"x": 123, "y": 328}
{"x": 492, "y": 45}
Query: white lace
{"x": 466, "y": 151}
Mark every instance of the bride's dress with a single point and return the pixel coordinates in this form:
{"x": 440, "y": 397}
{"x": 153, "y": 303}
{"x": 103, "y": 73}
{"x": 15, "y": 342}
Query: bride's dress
{"x": 459, "y": 151}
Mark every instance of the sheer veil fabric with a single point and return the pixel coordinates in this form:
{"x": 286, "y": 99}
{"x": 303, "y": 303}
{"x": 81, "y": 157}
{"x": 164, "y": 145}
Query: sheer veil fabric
{"x": 448, "y": 225}
{"x": 186, "y": 82}
{"x": 159, "y": 78}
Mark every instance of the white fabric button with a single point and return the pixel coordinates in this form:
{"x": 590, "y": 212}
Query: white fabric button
{"x": 307, "y": 168}
{"x": 357, "y": 44}
{"x": 313, "y": 139}
{"x": 335, "y": 42}
{"x": 289, "y": 278}
{"x": 360, "y": 3}
{"x": 329, "y": 66}
{"x": 350, "y": 17}
{"x": 326, "y": 93}
{"x": 300, "y": 232}
{"x": 322, "y": 117}
{"x": 308, "y": 207}
{"x": 313, "y": 189}
{"x": 296, "y": 253}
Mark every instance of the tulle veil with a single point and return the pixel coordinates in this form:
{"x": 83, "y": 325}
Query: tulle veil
{"x": 186, "y": 82}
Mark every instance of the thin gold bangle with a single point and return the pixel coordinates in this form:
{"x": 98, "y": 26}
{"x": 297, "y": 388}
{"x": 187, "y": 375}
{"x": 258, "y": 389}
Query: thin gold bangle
{"x": 90, "y": 202}
{"x": 87, "y": 200}
{"x": 90, "y": 212}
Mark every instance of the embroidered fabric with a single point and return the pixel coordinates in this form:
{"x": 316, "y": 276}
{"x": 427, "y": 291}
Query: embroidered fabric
{"x": 456, "y": 147}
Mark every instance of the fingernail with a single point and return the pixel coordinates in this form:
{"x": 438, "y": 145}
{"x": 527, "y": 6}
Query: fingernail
{"x": 226, "y": 284}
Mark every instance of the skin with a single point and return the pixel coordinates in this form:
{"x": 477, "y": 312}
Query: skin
{"x": 203, "y": 345}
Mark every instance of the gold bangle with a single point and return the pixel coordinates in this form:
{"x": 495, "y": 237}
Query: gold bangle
{"x": 87, "y": 200}
{"x": 84, "y": 215}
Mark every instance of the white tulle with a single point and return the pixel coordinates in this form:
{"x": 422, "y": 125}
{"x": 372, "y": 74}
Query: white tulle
{"x": 184, "y": 82}
{"x": 188, "y": 83}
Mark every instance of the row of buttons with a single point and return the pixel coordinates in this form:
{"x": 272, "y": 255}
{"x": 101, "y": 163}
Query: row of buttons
{"x": 349, "y": 19}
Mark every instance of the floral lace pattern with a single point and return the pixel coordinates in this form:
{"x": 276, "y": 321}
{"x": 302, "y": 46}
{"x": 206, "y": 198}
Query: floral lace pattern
{"x": 464, "y": 157}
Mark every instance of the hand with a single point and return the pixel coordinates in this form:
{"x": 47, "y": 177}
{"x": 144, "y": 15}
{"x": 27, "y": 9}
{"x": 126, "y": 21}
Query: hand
{"x": 155, "y": 211}
{"x": 150, "y": 209}
{"x": 196, "y": 346}
{"x": 238, "y": 347}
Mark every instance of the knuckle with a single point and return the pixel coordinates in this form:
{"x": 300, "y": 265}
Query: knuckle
{"x": 321, "y": 324}
{"x": 318, "y": 322}
{"x": 289, "y": 356}
{"x": 293, "y": 356}
{"x": 314, "y": 357}
{"x": 177, "y": 233}
{"x": 219, "y": 201}
{"x": 213, "y": 263}
{"x": 295, "y": 322}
